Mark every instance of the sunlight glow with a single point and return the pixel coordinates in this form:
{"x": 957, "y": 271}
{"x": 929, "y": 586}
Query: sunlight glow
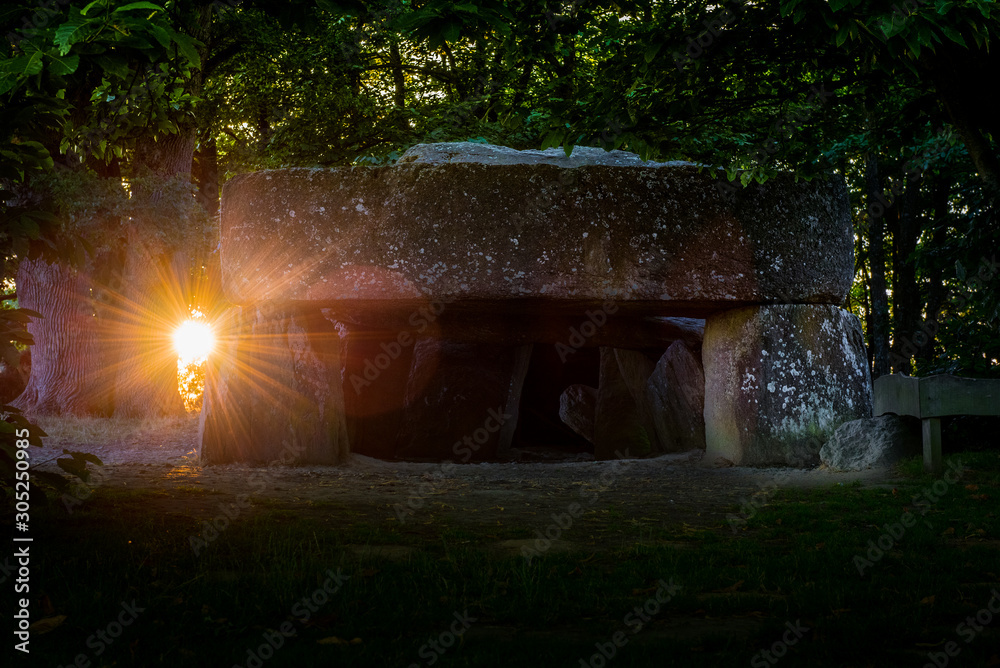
{"x": 194, "y": 340}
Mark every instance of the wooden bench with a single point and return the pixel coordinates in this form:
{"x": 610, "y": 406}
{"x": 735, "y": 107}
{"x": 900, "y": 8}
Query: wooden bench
{"x": 932, "y": 398}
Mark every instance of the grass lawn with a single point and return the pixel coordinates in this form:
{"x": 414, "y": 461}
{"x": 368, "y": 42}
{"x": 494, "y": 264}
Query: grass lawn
{"x": 841, "y": 576}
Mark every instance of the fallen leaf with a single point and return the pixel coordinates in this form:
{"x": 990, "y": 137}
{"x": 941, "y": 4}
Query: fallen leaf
{"x": 47, "y": 624}
{"x": 927, "y": 600}
{"x": 332, "y": 640}
{"x": 972, "y": 488}
{"x": 949, "y": 531}
{"x": 47, "y": 605}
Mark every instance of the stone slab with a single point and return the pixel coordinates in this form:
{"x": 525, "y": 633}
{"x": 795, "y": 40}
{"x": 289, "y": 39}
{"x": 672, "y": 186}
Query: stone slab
{"x": 779, "y": 380}
{"x": 273, "y": 389}
{"x": 872, "y": 442}
{"x": 532, "y": 240}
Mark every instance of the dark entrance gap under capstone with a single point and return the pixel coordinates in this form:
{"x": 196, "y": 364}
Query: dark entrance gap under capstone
{"x": 539, "y": 426}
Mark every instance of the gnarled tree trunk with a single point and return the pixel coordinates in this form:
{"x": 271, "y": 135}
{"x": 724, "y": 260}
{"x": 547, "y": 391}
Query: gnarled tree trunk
{"x": 68, "y": 375}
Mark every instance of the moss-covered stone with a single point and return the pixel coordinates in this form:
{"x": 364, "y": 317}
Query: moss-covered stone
{"x": 780, "y": 379}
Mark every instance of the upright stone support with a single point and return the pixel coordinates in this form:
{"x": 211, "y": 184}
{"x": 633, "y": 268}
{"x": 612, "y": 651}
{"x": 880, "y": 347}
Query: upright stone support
{"x": 578, "y": 408}
{"x": 273, "y": 390}
{"x": 618, "y": 423}
{"x": 635, "y": 369}
{"x": 779, "y": 380}
{"x": 676, "y": 391}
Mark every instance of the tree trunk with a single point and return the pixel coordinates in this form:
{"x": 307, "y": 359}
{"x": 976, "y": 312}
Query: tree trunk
{"x": 156, "y": 280}
{"x": 983, "y": 157}
{"x": 106, "y": 296}
{"x": 206, "y": 176}
{"x": 147, "y": 371}
{"x": 155, "y": 295}
{"x": 460, "y": 92}
{"x": 869, "y": 326}
{"x": 567, "y": 87}
{"x": 398, "y": 80}
{"x": 522, "y": 84}
{"x": 933, "y": 271}
{"x": 67, "y": 371}
{"x": 956, "y": 73}
{"x": 398, "y": 87}
{"x": 905, "y": 293}
{"x": 878, "y": 333}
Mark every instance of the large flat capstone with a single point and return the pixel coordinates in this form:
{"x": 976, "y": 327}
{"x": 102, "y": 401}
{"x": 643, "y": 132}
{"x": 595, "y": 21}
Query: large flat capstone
{"x": 532, "y": 238}
{"x": 420, "y": 289}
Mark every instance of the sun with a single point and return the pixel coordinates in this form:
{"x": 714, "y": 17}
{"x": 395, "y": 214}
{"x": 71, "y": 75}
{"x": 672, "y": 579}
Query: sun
{"x": 193, "y": 340}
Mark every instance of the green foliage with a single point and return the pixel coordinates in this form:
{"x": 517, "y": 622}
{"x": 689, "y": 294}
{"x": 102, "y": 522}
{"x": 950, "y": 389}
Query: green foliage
{"x": 191, "y": 383}
{"x": 76, "y": 464}
{"x": 808, "y": 86}
{"x": 441, "y": 22}
{"x": 60, "y": 79}
{"x": 13, "y": 330}
{"x": 18, "y": 433}
{"x": 968, "y": 323}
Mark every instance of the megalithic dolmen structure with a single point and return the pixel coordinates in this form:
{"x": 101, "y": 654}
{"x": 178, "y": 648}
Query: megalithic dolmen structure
{"x": 436, "y": 276}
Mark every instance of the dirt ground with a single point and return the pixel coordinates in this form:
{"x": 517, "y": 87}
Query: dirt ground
{"x": 681, "y": 490}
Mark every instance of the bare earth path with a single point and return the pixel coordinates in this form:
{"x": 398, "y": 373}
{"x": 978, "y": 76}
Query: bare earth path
{"x": 676, "y": 490}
